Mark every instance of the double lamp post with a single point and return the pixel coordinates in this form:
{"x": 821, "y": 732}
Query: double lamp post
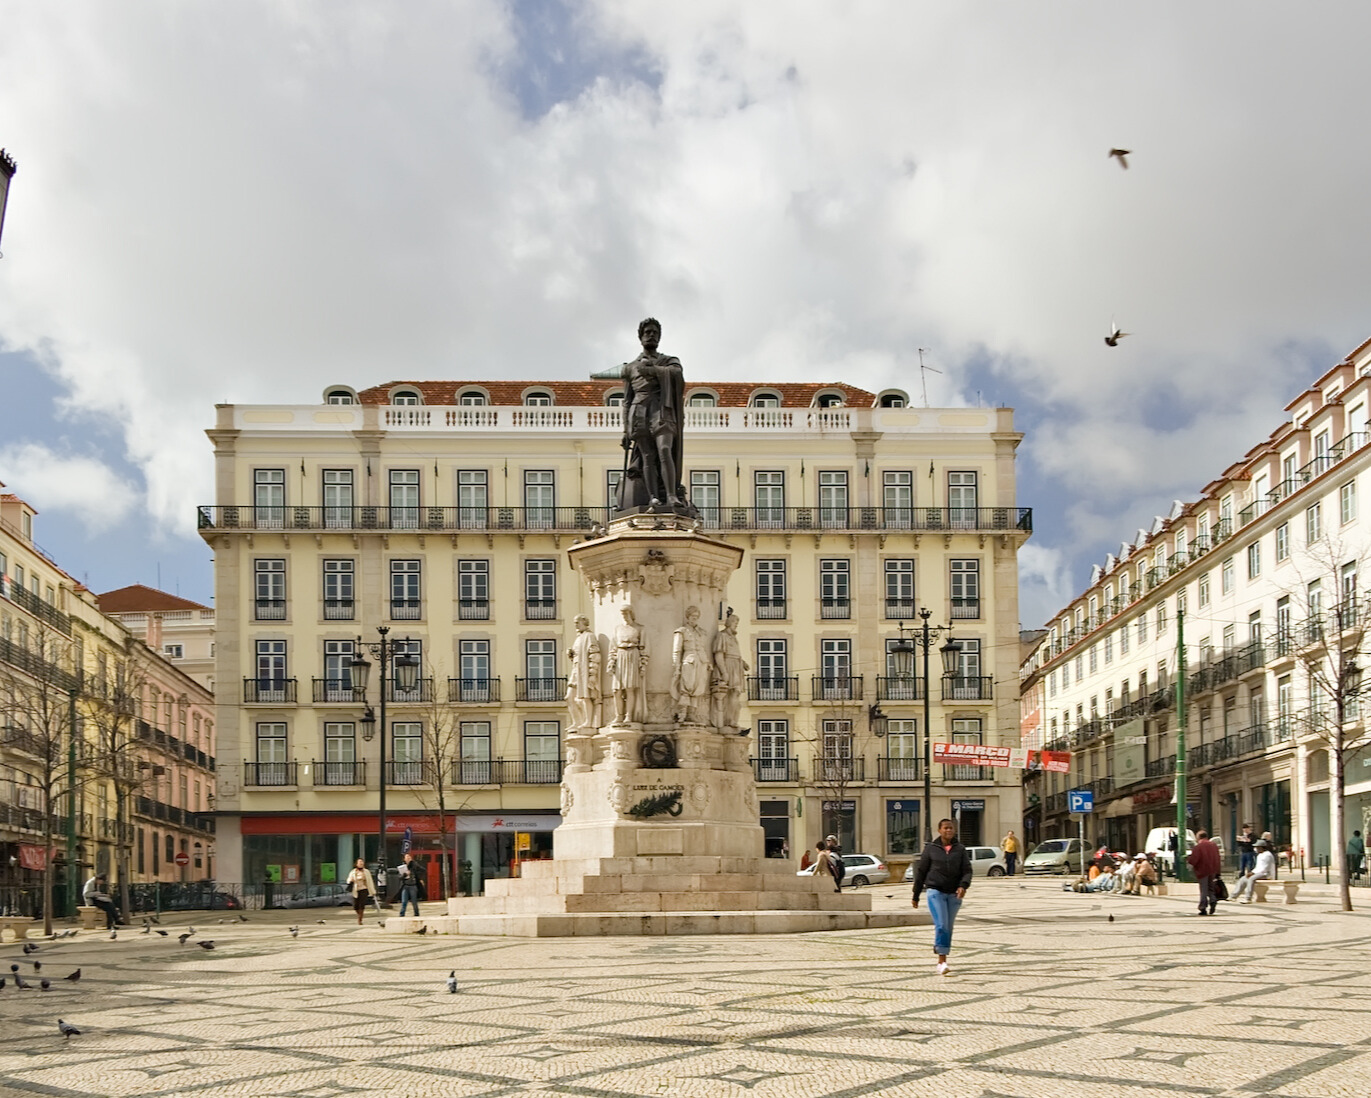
{"x": 404, "y": 677}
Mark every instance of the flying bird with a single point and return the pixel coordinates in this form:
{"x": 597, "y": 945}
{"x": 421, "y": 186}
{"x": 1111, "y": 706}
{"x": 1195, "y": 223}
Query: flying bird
{"x": 205, "y": 944}
{"x": 452, "y": 982}
{"x": 1121, "y": 155}
{"x": 1114, "y": 335}
{"x": 67, "y": 1031}
{"x": 182, "y": 938}
{"x": 73, "y": 976}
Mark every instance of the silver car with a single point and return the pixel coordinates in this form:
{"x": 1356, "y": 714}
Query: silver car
{"x": 986, "y": 861}
{"x": 862, "y": 869}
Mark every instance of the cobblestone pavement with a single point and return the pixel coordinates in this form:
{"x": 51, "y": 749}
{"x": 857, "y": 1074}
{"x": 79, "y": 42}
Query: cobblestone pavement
{"x": 1047, "y": 996}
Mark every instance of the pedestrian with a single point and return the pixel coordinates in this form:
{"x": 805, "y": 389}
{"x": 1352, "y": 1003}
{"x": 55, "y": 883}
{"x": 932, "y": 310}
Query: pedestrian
{"x": 94, "y": 895}
{"x": 1010, "y": 845}
{"x": 1356, "y": 851}
{"x": 1264, "y": 869}
{"x": 806, "y": 859}
{"x": 1205, "y": 861}
{"x": 362, "y": 886}
{"x": 1247, "y": 857}
{"x": 945, "y": 871}
{"x": 835, "y": 861}
{"x": 411, "y": 883}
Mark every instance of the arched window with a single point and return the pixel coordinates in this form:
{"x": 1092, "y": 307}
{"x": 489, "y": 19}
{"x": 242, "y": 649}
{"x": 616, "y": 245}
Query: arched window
{"x": 405, "y": 396}
{"x": 538, "y": 398}
{"x": 828, "y": 400}
{"x": 766, "y": 398}
{"x": 894, "y": 399}
{"x": 339, "y": 396}
{"x": 472, "y": 398}
{"x": 614, "y": 398}
{"x": 699, "y": 399}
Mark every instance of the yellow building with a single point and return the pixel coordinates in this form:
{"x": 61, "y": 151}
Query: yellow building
{"x": 100, "y": 736}
{"x": 442, "y": 511}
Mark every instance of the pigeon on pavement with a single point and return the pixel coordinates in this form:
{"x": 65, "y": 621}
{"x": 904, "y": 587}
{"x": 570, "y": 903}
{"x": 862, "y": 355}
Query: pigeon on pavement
{"x": 14, "y": 968}
{"x": 205, "y": 944}
{"x": 422, "y": 930}
{"x": 37, "y": 966}
{"x": 113, "y": 934}
{"x": 147, "y": 928}
{"x": 45, "y": 983}
{"x": 182, "y": 938}
{"x": 163, "y": 933}
{"x": 2, "y": 983}
{"x": 1121, "y": 156}
{"x": 295, "y": 932}
{"x": 19, "y": 983}
{"x": 67, "y": 1031}
{"x": 452, "y": 982}
{"x": 73, "y": 976}
{"x": 29, "y": 947}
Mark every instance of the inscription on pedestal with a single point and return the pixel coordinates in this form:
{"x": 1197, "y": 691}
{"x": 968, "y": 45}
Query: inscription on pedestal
{"x": 661, "y": 840}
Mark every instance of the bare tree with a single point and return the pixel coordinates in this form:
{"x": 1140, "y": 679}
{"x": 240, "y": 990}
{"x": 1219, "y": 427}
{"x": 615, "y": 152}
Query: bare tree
{"x": 442, "y": 744}
{"x": 840, "y": 741}
{"x": 38, "y": 709}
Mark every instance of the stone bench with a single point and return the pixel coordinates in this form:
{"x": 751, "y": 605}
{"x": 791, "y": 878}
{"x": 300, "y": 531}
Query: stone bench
{"x": 1158, "y": 889}
{"x": 20, "y": 924}
{"x": 1259, "y": 888}
{"x": 92, "y": 918}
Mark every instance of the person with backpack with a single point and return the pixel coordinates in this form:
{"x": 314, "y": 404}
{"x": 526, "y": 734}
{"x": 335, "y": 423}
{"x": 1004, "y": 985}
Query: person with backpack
{"x": 835, "y": 860}
{"x": 945, "y": 872}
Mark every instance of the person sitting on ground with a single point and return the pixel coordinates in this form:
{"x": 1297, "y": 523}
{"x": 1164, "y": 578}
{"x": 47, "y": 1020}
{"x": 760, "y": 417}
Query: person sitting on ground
{"x": 1265, "y": 870}
{"x": 1104, "y": 882}
{"x": 1124, "y": 877}
{"x": 1147, "y": 875}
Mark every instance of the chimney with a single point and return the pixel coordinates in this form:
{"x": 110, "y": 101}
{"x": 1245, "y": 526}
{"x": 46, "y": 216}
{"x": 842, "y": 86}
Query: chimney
{"x": 154, "y": 637}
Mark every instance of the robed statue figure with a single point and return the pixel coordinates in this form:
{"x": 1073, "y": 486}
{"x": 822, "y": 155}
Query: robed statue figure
{"x": 654, "y": 412}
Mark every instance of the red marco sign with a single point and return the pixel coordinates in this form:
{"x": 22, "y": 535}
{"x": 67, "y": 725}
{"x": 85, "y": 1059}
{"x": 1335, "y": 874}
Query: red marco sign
{"x": 979, "y": 754}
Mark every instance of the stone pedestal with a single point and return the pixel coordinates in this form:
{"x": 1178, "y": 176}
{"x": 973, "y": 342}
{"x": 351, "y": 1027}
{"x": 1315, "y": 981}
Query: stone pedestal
{"x": 660, "y": 830}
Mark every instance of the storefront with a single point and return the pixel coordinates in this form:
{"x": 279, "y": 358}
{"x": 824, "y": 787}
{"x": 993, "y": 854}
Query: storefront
{"x": 491, "y": 845}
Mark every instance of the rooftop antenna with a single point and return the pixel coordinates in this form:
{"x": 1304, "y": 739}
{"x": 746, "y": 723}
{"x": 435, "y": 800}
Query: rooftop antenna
{"x": 923, "y": 379}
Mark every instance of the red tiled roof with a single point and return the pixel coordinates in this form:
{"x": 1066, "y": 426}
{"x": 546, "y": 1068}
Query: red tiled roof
{"x": 137, "y": 599}
{"x": 574, "y": 394}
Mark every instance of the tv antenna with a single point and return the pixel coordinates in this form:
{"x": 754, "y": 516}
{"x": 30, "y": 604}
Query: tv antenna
{"x": 923, "y": 378}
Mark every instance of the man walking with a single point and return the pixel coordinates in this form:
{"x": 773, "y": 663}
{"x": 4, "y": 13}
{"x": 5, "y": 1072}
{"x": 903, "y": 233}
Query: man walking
{"x": 411, "y": 884}
{"x": 1010, "y": 845}
{"x": 1356, "y": 851}
{"x": 1205, "y": 862}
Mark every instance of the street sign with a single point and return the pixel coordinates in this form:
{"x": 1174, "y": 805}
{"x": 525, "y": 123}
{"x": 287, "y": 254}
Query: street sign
{"x": 1080, "y": 801}
{"x": 182, "y": 858}
{"x": 407, "y": 843}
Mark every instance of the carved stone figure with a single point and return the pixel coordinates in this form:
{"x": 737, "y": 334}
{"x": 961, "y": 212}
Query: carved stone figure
{"x": 691, "y": 670}
{"x": 583, "y": 686}
{"x": 654, "y": 406}
{"x": 628, "y": 671}
{"x": 730, "y": 674}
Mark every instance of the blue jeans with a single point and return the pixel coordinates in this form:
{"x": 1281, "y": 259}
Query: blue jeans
{"x": 409, "y": 894}
{"x": 1246, "y": 862}
{"x": 943, "y": 906}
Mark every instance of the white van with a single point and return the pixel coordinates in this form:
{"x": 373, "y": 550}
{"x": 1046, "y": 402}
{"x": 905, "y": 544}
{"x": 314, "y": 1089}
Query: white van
{"x": 1159, "y": 843}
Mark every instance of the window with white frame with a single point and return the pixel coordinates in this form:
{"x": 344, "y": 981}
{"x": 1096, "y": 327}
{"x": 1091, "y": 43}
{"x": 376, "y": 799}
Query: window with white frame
{"x": 1254, "y": 560}
{"x": 1313, "y": 524}
{"x": 540, "y": 589}
{"x": 1347, "y": 502}
{"x": 1226, "y": 576}
{"x": 1282, "y": 541}
{"x": 472, "y": 498}
{"x": 405, "y": 603}
{"x": 898, "y": 498}
{"x": 899, "y": 588}
{"x": 965, "y": 588}
{"x": 833, "y": 497}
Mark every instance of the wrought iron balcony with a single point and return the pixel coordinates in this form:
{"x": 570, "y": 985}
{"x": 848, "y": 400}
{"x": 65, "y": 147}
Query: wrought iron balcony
{"x": 899, "y": 609}
{"x": 339, "y": 773}
{"x": 473, "y": 609}
{"x": 266, "y": 774}
{"x": 965, "y": 609}
{"x": 420, "y": 694}
{"x": 968, "y": 688}
{"x": 771, "y": 609}
{"x": 1160, "y": 768}
{"x": 835, "y": 608}
{"x": 773, "y": 689}
{"x": 540, "y": 609}
{"x": 899, "y": 688}
{"x": 338, "y": 609}
{"x": 270, "y": 609}
{"x": 899, "y": 770}
{"x": 528, "y": 771}
{"x": 836, "y": 688}
{"x": 338, "y": 690}
{"x": 776, "y": 770}
{"x": 269, "y": 691}
{"x": 477, "y": 691}
{"x": 961, "y": 773}
{"x": 836, "y": 768}
{"x": 406, "y": 609}
{"x": 540, "y": 690}
{"x": 402, "y": 772}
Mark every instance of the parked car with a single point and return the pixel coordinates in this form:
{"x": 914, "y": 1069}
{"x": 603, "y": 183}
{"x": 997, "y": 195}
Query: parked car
{"x": 862, "y": 869}
{"x": 174, "y": 896}
{"x": 1055, "y": 856}
{"x": 320, "y": 895}
{"x": 986, "y": 861}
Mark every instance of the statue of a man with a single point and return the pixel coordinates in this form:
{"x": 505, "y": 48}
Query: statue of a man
{"x": 730, "y": 674}
{"x": 654, "y": 408}
{"x": 628, "y": 671}
{"x": 583, "y": 689}
{"x": 691, "y": 670}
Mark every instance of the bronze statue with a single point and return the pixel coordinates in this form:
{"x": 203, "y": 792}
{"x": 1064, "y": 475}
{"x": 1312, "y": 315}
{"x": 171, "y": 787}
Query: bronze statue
{"x": 654, "y": 413}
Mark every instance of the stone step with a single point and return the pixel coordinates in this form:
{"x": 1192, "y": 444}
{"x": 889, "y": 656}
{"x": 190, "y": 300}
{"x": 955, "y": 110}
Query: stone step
{"x": 547, "y": 885}
{"x": 659, "y": 923}
{"x": 592, "y": 902}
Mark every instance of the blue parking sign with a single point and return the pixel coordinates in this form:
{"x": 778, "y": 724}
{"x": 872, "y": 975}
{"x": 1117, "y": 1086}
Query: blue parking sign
{"x": 1080, "y": 800}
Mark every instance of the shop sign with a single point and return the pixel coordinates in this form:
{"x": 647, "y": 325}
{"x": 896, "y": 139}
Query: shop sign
{"x": 1058, "y": 762}
{"x": 514, "y": 821}
{"x": 961, "y": 806}
{"x": 1149, "y": 797}
{"x": 1130, "y": 764}
{"x": 328, "y": 872}
{"x": 840, "y": 806}
{"x": 32, "y": 857}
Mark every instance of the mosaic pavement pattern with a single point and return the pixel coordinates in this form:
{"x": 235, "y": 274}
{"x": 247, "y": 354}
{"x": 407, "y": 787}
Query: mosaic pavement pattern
{"x": 1047, "y": 996}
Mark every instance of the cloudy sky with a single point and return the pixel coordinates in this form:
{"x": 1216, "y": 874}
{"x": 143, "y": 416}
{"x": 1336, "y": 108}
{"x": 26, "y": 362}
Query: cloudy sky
{"x": 247, "y": 201}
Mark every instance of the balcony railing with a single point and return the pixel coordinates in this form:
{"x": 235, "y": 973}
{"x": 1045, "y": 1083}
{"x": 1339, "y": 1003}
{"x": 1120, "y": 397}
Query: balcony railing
{"x": 539, "y": 690}
{"x": 966, "y": 609}
{"x": 528, "y": 771}
{"x": 35, "y": 665}
{"x": 771, "y": 609}
{"x": 338, "y": 690}
{"x": 1160, "y": 768}
{"x": 43, "y": 611}
{"x": 270, "y": 609}
{"x": 540, "y": 609}
{"x": 338, "y": 773}
{"x": 406, "y": 609}
{"x": 570, "y": 519}
{"x": 830, "y": 769}
{"x": 473, "y": 772}
{"x": 899, "y": 688}
{"x": 836, "y": 687}
{"x": 773, "y": 689}
{"x": 899, "y": 609}
{"x": 776, "y": 770}
{"x": 410, "y": 772}
{"x": 269, "y": 691}
{"x": 899, "y": 770}
{"x": 267, "y": 774}
{"x": 338, "y": 609}
{"x": 968, "y": 687}
{"x": 835, "y": 608}
{"x": 1101, "y": 787}
{"x": 420, "y": 693}
{"x": 477, "y": 691}
{"x": 960, "y": 773}
{"x": 473, "y": 609}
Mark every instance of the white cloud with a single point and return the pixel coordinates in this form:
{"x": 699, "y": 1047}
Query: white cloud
{"x": 83, "y": 486}
{"x": 249, "y": 201}
{"x": 1045, "y": 584}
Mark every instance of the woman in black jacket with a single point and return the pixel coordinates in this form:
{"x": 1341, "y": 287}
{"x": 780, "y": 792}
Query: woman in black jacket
{"x": 945, "y": 870}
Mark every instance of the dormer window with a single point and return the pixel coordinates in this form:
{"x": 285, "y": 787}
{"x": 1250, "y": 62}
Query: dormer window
{"x": 614, "y": 398}
{"x": 405, "y": 396}
{"x": 339, "y": 396}
{"x": 894, "y": 400}
{"x": 765, "y": 399}
{"x": 472, "y": 399}
{"x": 539, "y": 398}
{"x": 828, "y": 400}
{"x": 702, "y": 400}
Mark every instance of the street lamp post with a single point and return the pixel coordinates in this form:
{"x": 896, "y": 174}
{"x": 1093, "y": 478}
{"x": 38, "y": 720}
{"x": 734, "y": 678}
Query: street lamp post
{"x": 404, "y": 677}
{"x": 902, "y": 652}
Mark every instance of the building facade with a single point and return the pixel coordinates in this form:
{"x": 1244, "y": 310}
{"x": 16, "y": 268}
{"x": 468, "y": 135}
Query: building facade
{"x": 1257, "y": 583}
{"x": 180, "y": 630}
{"x": 442, "y": 511}
{"x": 107, "y": 749}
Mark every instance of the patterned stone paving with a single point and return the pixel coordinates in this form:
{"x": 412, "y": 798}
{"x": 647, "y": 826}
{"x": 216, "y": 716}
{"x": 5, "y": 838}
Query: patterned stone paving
{"x": 1047, "y": 997}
